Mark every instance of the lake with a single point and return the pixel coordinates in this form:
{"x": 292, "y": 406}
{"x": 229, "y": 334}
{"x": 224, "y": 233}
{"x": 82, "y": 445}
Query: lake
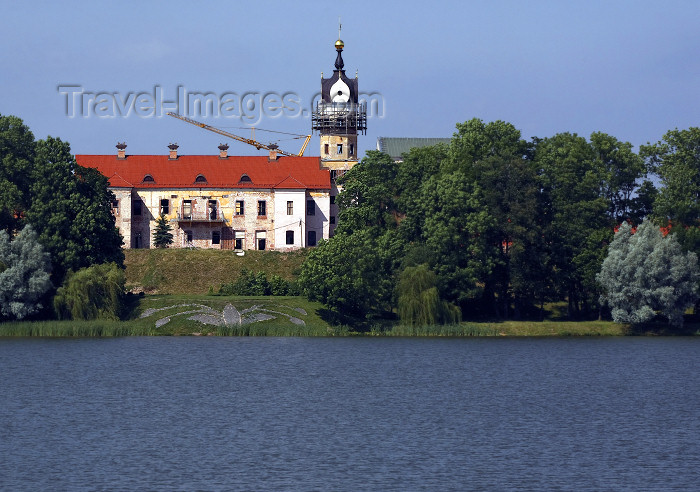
{"x": 214, "y": 413}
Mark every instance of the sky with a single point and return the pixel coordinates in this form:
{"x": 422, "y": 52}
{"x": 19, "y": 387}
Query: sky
{"x": 97, "y": 73}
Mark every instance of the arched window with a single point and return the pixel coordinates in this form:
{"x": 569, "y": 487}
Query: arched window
{"x": 148, "y": 179}
{"x": 200, "y": 179}
{"x": 245, "y": 179}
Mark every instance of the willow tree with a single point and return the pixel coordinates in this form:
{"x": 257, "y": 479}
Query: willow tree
{"x": 419, "y": 301}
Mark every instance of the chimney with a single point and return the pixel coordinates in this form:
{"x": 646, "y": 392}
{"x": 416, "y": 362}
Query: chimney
{"x": 173, "y": 151}
{"x": 121, "y": 150}
{"x": 223, "y": 151}
{"x": 273, "y": 152}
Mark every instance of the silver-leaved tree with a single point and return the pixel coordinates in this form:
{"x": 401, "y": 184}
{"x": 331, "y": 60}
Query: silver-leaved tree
{"x": 24, "y": 274}
{"x": 646, "y": 273}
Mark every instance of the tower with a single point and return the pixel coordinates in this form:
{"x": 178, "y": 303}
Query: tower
{"x": 338, "y": 117}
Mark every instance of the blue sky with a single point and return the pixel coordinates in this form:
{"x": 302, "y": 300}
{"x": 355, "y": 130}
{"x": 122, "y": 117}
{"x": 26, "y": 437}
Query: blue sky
{"x": 627, "y": 68}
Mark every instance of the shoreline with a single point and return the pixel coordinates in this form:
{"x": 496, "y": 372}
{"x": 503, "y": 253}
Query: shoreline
{"x": 293, "y": 316}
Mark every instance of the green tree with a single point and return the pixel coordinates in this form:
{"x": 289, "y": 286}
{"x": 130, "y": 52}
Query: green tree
{"x": 475, "y": 141}
{"x": 676, "y": 161}
{"x": 456, "y": 226}
{"x": 369, "y": 194}
{"x": 16, "y": 159}
{"x": 574, "y": 217}
{"x": 419, "y": 302}
{"x": 644, "y": 273}
{"x": 24, "y": 274}
{"x": 93, "y": 292}
{"x": 621, "y": 169}
{"x": 162, "y": 237}
{"x": 71, "y": 210}
{"x": 347, "y": 274}
{"x": 510, "y": 193}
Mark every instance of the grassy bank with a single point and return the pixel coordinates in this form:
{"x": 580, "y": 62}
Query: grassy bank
{"x": 202, "y": 315}
{"x": 194, "y": 271}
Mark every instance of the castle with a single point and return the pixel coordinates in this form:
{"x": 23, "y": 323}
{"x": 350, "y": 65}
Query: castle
{"x": 276, "y": 202}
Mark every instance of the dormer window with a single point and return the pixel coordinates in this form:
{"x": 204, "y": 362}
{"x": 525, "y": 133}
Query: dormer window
{"x": 148, "y": 179}
{"x": 200, "y": 179}
{"x": 245, "y": 179}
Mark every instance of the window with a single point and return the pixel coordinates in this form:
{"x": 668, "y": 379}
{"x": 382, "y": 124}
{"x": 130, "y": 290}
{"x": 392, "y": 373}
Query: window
{"x": 148, "y": 179}
{"x": 187, "y": 209}
{"x": 311, "y": 238}
{"x": 165, "y": 206}
{"x": 332, "y": 199}
{"x": 262, "y": 208}
{"x": 188, "y": 237}
{"x": 245, "y": 179}
{"x": 310, "y": 207}
{"x": 290, "y": 237}
{"x": 213, "y": 210}
{"x": 332, "y": 219}
{"x": 290, "y": 208}
{"x": 334, "y": 174}
{"x": 351, "y": 150}
{"x": 326, "y": 150}
{"x": 115, "y": 206}
{"x": 239, "y": 240}
{"x": 216, "y": 237}
{"x": 200, "y": 179}
{"x": 240, "y": 210}
{"x": 137, "y": 207}
{"x": 340, "y": 149}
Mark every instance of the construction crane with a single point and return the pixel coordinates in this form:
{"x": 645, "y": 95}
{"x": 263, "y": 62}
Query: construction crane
{"x": 249, "y": 141}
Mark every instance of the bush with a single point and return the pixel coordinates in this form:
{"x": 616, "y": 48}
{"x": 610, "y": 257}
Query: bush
{"x": 92, "y": 293}
{"x": 257, "y": 284}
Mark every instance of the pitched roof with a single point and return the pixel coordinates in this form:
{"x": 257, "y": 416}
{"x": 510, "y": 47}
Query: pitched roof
{"x": 396, "y": 147}
{"x": 284, "y": 173}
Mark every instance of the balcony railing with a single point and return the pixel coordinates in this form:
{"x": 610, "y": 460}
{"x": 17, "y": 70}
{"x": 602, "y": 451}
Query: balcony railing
{"x": 185, "y": 215}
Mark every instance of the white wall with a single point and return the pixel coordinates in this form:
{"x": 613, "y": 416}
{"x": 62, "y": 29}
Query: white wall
{"x": 284, "y": 222}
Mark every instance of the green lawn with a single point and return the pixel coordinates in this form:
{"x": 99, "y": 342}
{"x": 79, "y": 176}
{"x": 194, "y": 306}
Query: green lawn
{"x": 195, "y": 271}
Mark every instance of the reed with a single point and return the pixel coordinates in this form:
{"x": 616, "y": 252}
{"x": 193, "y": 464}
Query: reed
{"x": 73, "y": 329}
{"x": 453, "y": 330}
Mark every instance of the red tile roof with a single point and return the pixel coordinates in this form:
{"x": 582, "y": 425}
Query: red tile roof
{"x": 284, "y": 173}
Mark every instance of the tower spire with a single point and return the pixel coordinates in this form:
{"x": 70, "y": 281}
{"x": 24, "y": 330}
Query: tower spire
{"x": 339, "y": 47}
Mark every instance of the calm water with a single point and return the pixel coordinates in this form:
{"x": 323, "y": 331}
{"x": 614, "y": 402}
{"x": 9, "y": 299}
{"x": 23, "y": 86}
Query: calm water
{"x": 350, "y": 414}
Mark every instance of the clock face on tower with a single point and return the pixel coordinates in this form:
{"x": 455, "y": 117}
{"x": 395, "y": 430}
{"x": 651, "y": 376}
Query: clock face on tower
{"x": 340, "y": 92}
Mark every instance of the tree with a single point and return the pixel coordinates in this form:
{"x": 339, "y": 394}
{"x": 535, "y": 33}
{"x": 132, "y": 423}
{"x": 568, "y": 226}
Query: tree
{"x": 621, "y": 168}
{"x": 419, "y": 302}
{"x": 162, "y": 237}
{"x": 510, "y": 193}
{"x": 475, "y": 141}
{"x": 573, "y": 214}
{"x": 676, "y": 161}
{"x": 24, "y": 274}
{"x": 71, "y": 211}
{"x": 456, "y": 226}
{"x": 16, "y": 159}
{"x": 93, "y": 292}
{"x": 347, "y": 274}
{"x": 645, "y": 272}
{"x": 368, "y": 197}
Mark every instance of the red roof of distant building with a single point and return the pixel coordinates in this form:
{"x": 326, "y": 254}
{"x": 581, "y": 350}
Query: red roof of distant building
{"x": 284, "y": 173}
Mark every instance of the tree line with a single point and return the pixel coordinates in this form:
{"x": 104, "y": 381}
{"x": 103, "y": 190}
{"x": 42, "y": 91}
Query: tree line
{"x": 493, "y": 225}
{"x": 60, "y": 252}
